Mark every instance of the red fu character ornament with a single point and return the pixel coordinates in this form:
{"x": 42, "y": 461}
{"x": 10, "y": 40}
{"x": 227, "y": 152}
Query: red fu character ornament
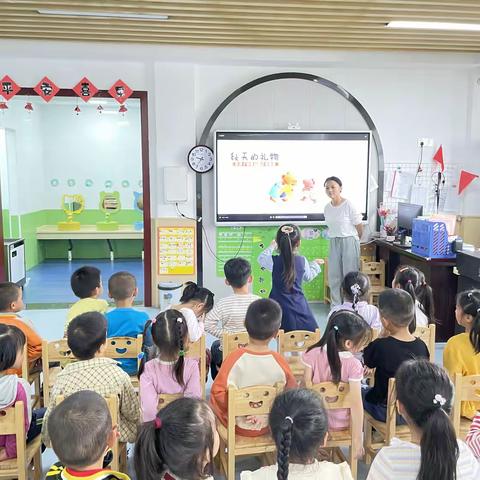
{"x": 8, "y": 88}
{"x": 46, "y": 89}
{"x": 85, "y": 89}
{"x": 120, "y": 91}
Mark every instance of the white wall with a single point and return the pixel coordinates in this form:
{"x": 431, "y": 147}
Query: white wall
{"x": 408, "y": 95}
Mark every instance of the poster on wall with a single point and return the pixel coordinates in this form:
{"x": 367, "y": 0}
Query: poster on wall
{"x": 176, "y": 250}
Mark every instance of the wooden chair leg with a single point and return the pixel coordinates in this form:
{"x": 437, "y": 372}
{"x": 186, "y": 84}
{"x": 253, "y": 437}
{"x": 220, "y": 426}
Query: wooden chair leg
{"x": 353, "y": 463}
{"x": 368, "y": 442}
{"x": 231, "y": 464}
{"x": 37, "y": 465}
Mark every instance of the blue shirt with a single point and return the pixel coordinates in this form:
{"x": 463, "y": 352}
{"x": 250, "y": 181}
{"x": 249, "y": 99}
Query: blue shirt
{"x": 128, "y": 322}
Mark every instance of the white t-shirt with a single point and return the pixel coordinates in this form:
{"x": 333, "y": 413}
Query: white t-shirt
{"x": 420, "y": 318}
{"x": 401, "y": 461}
{"x": 341, "y": 220}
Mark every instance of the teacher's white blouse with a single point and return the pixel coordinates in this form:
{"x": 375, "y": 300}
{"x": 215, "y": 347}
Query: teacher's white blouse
{"x": 341, "y": 220}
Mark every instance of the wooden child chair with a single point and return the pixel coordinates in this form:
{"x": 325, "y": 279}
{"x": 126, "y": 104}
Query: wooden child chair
{"x": 467, "y": 389}
{"x": 335, "y": 397}
{"x": 255, "y": 400}
{"x": 166, "y": 398}
{"x": 296, "y": 341}
{"x": 232, "y": 341}
{"x": 198, "y": 350}
{"x": 56, "y": 351}
{"x": 386, "y": 431}
{"x": 12, "y": 423}
{"x": 427, "y": 335}
{"x": 123, "y": 348}
{"x": 32, "y": 377}
{"x": 376, "y": 274}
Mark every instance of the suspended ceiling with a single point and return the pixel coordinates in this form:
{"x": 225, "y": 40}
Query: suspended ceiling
{"x": 315, "y": 24}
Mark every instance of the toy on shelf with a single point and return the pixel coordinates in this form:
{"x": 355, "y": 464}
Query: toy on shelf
{"x": 138, "y": 205}
{"x": 72, "y": 204}
{"x": 109, "y": 203}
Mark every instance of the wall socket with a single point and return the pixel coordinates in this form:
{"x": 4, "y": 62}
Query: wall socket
{"x": 427, "y": 142}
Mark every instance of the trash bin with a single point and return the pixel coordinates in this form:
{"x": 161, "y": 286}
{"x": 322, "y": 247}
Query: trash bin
{"x": 169, "y": 293}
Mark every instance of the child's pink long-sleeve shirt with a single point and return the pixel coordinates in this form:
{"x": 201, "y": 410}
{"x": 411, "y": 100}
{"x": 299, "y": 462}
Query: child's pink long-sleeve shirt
{"x": 159, "y": 377}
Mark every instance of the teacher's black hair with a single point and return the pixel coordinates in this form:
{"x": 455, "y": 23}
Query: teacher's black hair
{"x": 332, "y": 179}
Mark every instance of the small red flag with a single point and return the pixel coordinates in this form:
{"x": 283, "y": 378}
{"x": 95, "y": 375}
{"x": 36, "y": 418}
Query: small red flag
{"x": 466, "y": 178}
{"x": 438, "y": 157}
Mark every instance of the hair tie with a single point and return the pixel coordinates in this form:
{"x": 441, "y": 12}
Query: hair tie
{"x": 335, "y": 328}
{"x": 355, "y": 289}
{"x": 181, "y": 353}
{"x": 157, "y": 423}
{"x": 290, "y": 419}
{"x": 141, "y": 355}
{"x": 469, "y": 295}
{"x": 478, "y": 310}
{"x": 179, "y": 320}
{"x": 287, "y": 229}
{"x": 409, "y": 281}
{"x": 439, "y": 400}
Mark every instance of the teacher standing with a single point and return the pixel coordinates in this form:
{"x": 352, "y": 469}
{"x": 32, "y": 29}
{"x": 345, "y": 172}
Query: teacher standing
{"x": 344, "y": 231}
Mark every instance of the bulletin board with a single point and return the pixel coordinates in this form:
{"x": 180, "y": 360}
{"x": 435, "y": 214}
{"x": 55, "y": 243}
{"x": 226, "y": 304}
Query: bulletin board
{"x": 173, "y": 252}
{"x": 249, "y": 242}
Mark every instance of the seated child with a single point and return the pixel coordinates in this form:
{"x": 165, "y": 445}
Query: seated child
{"x": 87, "y": 339}
{"x": 253, "y": 365}
{"x": 86, "y": 284}
{"x": 473, "y": 436}
{"x": 228, "y": 314}
{"x": 332, "y": 360}
{"x": 181, "y": 442}
{"x": 412, "y": 281}
{"x": 388, "y": 353}
{"x": 424, "y": 399}
{"x": 124, "y": 320}
{"x": 462, "y": 352}
{"x": 11, "y": 302}
{"x": 170, "y": 372}
{"x": 82, "y": 433}
{"x": 355, "y": 287}
{"x": 195, "y": 303}
{"x": 299, "y": 426}
{"x": 14, "y": 389}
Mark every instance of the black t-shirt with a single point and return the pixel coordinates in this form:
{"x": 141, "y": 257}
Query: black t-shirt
{"x": 386, "y": 355}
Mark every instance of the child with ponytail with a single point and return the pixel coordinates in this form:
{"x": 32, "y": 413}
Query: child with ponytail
{"x": 289, "y": 270}
{"x": 424, "y": 399}
{"x": 462, "y": 352}
{"x": 170, "y": 371}
{"x": 332, "y": 359}
{"x": 299, "y": 426}
{"x": 413, "y": 282}
{"x": 195, "y": 303}
{"x": 355, "y": 287}
{"x": 180, "y": 443}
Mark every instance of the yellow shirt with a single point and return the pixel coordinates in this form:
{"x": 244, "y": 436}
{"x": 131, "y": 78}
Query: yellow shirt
{"x": 459, "y": 357}
{"x": 86, "y": 305}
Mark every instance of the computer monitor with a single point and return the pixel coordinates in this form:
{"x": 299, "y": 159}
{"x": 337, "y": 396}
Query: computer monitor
{"x": 406, "y": 213}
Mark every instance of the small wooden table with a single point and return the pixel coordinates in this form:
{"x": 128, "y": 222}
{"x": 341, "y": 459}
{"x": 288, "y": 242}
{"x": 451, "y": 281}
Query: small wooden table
{"x": 438, "y": 274}
{"x": 89, "y": 232}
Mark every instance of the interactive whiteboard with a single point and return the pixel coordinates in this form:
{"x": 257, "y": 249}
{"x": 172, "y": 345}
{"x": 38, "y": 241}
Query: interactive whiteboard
{"x": 276, "y": 177}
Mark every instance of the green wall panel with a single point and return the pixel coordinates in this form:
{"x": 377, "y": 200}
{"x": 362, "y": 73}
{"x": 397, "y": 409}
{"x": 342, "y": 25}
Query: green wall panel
{"x": 251, "y": 241}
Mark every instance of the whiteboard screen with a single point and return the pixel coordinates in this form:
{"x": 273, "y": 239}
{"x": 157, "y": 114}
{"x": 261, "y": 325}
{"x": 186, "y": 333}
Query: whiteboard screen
{"x": 276, "y": 177}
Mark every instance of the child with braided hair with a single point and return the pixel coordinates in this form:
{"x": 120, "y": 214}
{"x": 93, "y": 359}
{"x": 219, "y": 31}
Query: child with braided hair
{"x": 462, "y": 352}
{"x": 289, "y": 271}
{"x": 169, "y": 371}
{"x": 355, "y": 287}
{"x": 299, "y": 426}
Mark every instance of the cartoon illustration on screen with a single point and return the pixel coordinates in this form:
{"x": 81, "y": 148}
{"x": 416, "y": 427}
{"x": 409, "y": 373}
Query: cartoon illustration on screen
{"x": 284, "y": 189}
{"x": 308, "y": 190}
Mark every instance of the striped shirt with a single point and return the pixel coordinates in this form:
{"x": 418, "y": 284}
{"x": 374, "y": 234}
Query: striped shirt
{"x": 228, "y": 314}
{"x": 401, "y": 461}
{"x": 473, "y": 436}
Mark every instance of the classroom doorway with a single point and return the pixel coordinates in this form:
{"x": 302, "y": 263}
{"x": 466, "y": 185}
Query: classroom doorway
{"x": 75, "y": 187}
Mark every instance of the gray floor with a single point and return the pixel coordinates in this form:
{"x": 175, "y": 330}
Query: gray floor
{"x": 50, "y": 325}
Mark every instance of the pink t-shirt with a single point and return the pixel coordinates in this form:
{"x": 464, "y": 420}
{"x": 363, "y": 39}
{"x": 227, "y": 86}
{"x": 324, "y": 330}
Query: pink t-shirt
{"x": 352, "y": 371}
{"x": 159, "y": 377}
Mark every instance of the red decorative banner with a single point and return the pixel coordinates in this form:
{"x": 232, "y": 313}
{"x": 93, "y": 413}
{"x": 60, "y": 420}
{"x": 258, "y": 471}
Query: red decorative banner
{"x": 8, "y": 88}
{"x": 466, "y": 178}
{"x": 46, "y": 89}
{"x": 85, "y": 89}
{"x": 120, "y": 91}
{"x": 438, "y": 157}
